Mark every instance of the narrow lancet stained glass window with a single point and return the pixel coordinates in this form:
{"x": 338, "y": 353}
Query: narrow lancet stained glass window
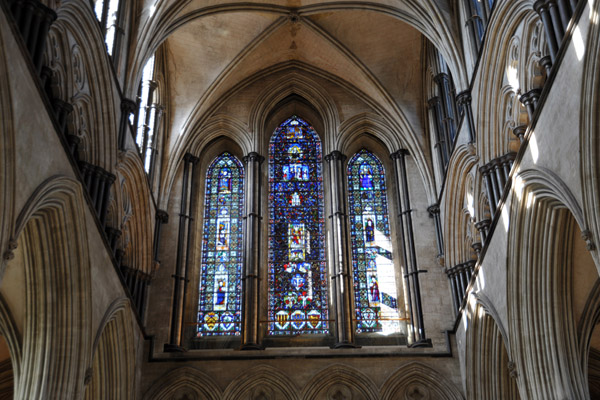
{"x": 375, "y": 289}
{"x": 219, "y": 306}
{"x": 297, "y": 271}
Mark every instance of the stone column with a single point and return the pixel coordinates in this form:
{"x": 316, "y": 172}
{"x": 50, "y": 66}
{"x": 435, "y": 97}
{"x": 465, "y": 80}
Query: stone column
{"x": 179, "y": 276}
{"x": 529, "y": 100}
{"x": 541, "y": 8}
{"x": 489, "y": 187}
{"x": 445, "y": 91}
{"x": 441, "y": 145}
{"x": 546, "y": 62}
{"x": 559, "y": 29}
{"x": 434, "y": 212}
{"x": 451, "y": 274}
{"x": 128, "y": 107}
{"x": 412, "y": 268}
{"x": 250, "y": 303}
{"x": 153, "y": 143}
{"x": 483, "y": 227}
{"x": 340, "y": 279}
{"x": 162, "y": 217}
{"x": 464, "y": 100}
{"x": 152, "y": 85}
{"x": 519, "y": 132}
{"x": 564, "y": 9}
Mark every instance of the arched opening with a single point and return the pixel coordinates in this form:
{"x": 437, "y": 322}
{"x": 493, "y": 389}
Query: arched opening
{"x": 547, "y": 276}
{"x": 490, "y": 371}
{"x": 7, "y": 382}
{"x": 298, "y": 295}
{"x": 112, "y": 374}
{"x": 46, "y": 292}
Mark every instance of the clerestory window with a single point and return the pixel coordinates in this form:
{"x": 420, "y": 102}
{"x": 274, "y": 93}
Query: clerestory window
{"x": 375, "y": 287}
{"x": 107, "y": 13}
{"x": 297, "y": 268}
{"x": 219, "y": 304}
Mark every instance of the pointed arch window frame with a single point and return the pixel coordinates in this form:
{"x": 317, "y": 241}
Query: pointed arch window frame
{"x": 298, "y": 290}
{"x": 220, "y": 309}
{"x": 376, "y": 290}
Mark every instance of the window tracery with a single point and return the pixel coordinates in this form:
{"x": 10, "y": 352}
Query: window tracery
{"x": 375, "y": 289}
{"x": 219, "y": 301}
{"x": 297, "y": 272}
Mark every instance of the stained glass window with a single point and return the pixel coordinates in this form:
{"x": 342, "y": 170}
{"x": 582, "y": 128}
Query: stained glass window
{"x": 297, "y": 271}
{"x": 375, "y": 289}
{"x": 219, "y": 305}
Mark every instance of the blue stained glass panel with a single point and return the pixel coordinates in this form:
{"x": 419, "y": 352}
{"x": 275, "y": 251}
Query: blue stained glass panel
{"x": 297, "y": 270}
{"x": 375, "y": 288}
{"x": 219, "y": 303}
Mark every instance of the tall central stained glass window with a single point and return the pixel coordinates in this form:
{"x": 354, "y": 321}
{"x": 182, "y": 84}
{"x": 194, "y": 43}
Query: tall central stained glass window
{"x": 297, "y": 268}
{"x": 375, "y": 288}
{"x": 219, "y": 306}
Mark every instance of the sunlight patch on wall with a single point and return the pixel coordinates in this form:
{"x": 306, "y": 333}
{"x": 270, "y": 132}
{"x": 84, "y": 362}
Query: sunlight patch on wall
{"x": 533, "y": 146}
{"x": 578, "y": 43}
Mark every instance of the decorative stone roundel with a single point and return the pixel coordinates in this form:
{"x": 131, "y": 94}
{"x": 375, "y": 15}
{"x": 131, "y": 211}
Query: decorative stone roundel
{"x": 339, "y": 392}
{"x": 416, "y": 392}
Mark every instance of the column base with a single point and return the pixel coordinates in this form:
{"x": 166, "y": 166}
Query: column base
{"x": 345, "y": 345}
{"x": 173, "y": 348}
{"x": 251, "y": 346}
{"x": 421, "y": 343}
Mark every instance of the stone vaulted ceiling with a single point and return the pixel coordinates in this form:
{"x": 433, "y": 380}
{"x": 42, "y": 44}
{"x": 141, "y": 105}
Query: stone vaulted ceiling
{"x": 373, "y": 49}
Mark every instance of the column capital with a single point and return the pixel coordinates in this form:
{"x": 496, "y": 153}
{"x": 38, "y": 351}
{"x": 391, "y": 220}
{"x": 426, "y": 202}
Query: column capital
{"x": 433, "y": 209}
{"x": 128, "y": 105}
{"x": 62, "y": 106}
{"x": 546, "y": 62}
{"x": 110, "y": 178}
{"x": 519, "y": 131}
{"x": 432, "y": 102}
{"x": 530, "y": 97}
{"x": 188, "y": 157}
{"x": 441, "y": 76}
{"x": 464, "y": 97}
{"x": 483, "y": 224}
{"x": 485, "y": 169}
{"x": 162, "y": 216}
{"x": 540, "y": 6}
{"x": 253, "y": 157}
{"x": 335, "y": 155}
{"x": 399, "y": 154}
{"x": 511, "y": 156}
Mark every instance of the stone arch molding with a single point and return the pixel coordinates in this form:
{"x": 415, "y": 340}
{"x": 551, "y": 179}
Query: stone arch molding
{"x": 111, "y": 374}
{"x": 507, "y": 19}
{"x": 302, "y": 86}
{"x": 418, "y": 381}
{"x": 460, "y": 168}
{"x": 589, "y": 133}
{"x": 339, "y": 380}
{"x": 352, "y": 128}
{"x": 222, "y": 125}
{"x": 140, "y": 223}
{"x": 490, "y": 370}
{"x": 57, "y": 292}
{"x": 7, "y": 161}
{"x": 185, "y": 380}
{"x": 9, "y": 330}
{"x": 76, "y": 53}
{"x": 410, "y": 382}
{"x": 264, "y": 381}
{"x": 539, "y": 282}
